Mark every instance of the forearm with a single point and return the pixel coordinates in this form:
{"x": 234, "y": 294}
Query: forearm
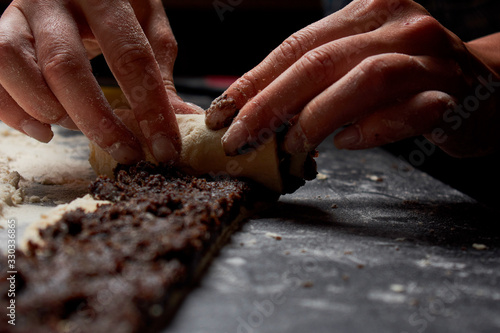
{"x": 487, "y": 49}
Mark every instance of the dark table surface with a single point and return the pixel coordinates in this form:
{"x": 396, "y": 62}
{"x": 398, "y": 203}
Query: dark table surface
{"x": 373, "y": 245}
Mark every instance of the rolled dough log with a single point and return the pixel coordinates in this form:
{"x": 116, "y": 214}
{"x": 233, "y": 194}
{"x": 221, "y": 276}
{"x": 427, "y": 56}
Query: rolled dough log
{"x": 202, "y": 154}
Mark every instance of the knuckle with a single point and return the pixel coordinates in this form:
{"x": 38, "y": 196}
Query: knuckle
{"x": 169, "y": 85}
{"x": 412, "y": 64}
{"x": 168, "y": 43}
{"x": 424, "y": 26}
{"x": 314, "y": 106}
{"x": 60, "y": 63}
{"x": 372, "y": 5}
{"x": 9, "y": 48}
{"x": 316, "y": 65}
{"x": 295, "y": 46}
{"x": 390, "y": 5}
{"x": 429, "y": 24}
{"x": 375, "y": 13}
{"x": 173, "y": 47}
{"x": 129, "y": 60}
{"x": 376, "y": 70}
{"x": 248, "y": 85}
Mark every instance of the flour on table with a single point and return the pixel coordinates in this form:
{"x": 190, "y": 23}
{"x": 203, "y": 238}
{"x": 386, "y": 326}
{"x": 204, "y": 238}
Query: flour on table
{"x": 35, "y": 177}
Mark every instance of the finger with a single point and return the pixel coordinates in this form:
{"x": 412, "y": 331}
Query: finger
{"x": 159, "y": 34}
{"x": 14, "y": 116}
{"x": 313, "y": 73}
{"x": 423, "y": 113}
{"x": 20, "y": 74}
{"x": 223, "y": 109}
{"x": 355, "y": 19}
{"x": 63, "y": 62}
{"x": 132, "y": 61}
{"x": 292, "y": 90}
{"x": 375, "y": 83}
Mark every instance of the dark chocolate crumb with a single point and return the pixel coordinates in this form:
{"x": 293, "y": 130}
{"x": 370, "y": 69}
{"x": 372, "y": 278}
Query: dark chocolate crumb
{"x": 114, "y": 270}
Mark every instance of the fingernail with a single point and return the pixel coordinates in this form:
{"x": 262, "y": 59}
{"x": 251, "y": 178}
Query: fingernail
{"x": 348, "y": 138}
{"x": 236, "y": 137}
{"x": 221, "y": 112}
{"x": 124, "y": 154}
{"x": 68, "y": 123}
{"x": 296, "y": 141}
{"x": 37, "y": 130}
{"x": 163, "y": 149}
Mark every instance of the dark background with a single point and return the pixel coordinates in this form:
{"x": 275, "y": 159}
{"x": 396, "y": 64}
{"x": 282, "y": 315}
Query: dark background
{"x": 229, "y": 37}
{"x": 234, "y": 41}
{"x": 233, "y": 38}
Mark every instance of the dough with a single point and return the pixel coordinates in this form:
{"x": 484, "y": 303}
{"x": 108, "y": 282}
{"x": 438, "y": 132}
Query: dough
{"x": 202, "y": 154}
{"x": 10, "y": 192}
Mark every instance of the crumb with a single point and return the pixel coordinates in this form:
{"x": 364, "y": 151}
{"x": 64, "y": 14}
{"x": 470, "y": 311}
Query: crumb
{"x": 361, "y": 266}
{"x": 334, "y": 206}
{"x": 397, "y": 288}
{"x": 308, "y": 284}
{"x": 287, "y": 253}
{"x": 303, "y": 251}
{"x": 18, "y": 196}
{"x": 13, "y": 179}
{"x": 321, "y": 176}
{"x": 347, "y": 253}
{"x": 479, "y": 247}
{"x": 34, "y": 199}
{"x": 374, "y": 178}
{"x": 272, "y": 235}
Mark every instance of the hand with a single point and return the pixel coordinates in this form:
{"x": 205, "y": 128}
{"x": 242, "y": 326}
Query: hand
{"x": 384, "y": 68}
{"x": 46, "y": 77}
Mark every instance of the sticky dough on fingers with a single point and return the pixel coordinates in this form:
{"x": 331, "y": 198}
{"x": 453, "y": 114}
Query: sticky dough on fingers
{"x": 203, "y": 154}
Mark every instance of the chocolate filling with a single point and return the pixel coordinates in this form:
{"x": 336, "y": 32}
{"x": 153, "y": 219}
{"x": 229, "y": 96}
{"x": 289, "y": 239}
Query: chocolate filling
{"x": 124, "y": 267}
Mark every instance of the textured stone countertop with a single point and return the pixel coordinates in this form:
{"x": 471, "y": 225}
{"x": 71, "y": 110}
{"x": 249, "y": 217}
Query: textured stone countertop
{"x": 371, "y": 246}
